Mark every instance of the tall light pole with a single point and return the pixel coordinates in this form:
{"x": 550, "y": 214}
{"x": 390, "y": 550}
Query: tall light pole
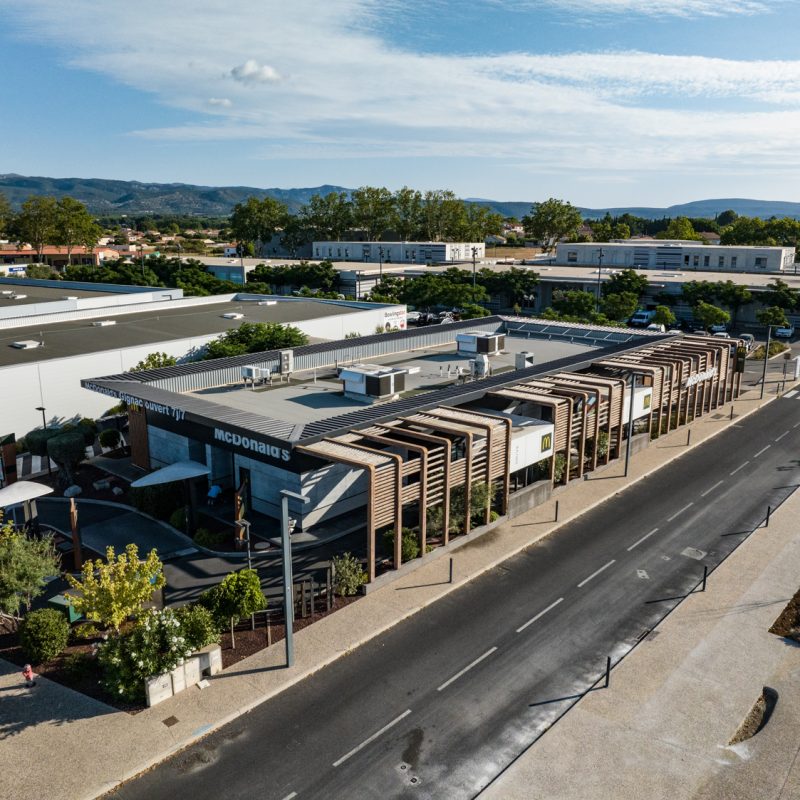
{"x": 44, "y": 425}
{"x": 288, "y": 600}
{"x": 600, "y": 255}
{"x": 380, "y": 264}
{"x": 474, "y": 253}
{"x": 766, "y": 360}
{"x": 630, "y": 424}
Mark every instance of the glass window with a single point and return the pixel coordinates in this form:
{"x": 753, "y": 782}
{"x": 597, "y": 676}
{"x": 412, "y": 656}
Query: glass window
{"x": 733, "y": 261}
{"x": 722, "y": 261}
{"x": 706, "y": 260}
{"x": 572, "y": 256}
{"x": 696, "y": 261}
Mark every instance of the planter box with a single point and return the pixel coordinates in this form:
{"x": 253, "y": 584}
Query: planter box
{"x": 210, "y": 659}
{"x": 191, "y": 671}
{"x": 178, "y": 677}
{"x": 158, "y": 688}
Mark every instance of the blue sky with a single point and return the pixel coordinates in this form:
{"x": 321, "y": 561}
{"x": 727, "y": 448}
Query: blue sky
{"x": 602, "y": 102}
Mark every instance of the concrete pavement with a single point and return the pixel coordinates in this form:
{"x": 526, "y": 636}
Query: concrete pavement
{"x": 117, "y": 745}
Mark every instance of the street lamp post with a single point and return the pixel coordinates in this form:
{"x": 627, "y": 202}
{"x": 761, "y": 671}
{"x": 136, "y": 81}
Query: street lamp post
{"x": 288, "y": 600}
{"x": 244, "y": 523}
{"x": 44, "y": 425}
{"x": 600, "y": 255}
{"x": 630, "y": 424}
{"x": 380, "y": 264}
{"x": 766, "y": 361}
{"x": 474, "y": 253}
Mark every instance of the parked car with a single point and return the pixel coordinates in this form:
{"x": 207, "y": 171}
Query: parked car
{"x": 641, "y": 318}
{"x": 722, "y": 334}
{"x": 655, "y": 326}
{"x": 784, "y": 332}
{"x": 412, "y": 317}
{"x": 749, "y": 341}
{"x": 718, "y": 328}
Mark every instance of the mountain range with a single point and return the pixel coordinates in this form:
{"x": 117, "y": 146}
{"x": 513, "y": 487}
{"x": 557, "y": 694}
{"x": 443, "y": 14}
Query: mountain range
{"x": 112, "y": 198}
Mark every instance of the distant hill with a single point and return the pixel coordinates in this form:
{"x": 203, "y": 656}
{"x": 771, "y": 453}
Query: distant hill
{"x": 110, "y": 197}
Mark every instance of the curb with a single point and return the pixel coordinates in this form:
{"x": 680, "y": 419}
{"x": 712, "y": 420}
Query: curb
{"x": 217, "y": 724}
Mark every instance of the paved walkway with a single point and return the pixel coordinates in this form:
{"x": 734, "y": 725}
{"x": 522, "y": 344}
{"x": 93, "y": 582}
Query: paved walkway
{"x": 82, "y": 748}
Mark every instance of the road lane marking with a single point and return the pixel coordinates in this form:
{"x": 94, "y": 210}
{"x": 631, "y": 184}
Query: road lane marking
{"x": 595, "y": 574}
{"x": 797, "y": 424}
{"x": 785, "y": 433}
{"x": 678, "y": 513}
{"x": 372, "y": 738}
{"x": 646, "y": 536}
{"x": 466, "y": 669}
{"x": 762, "y": 450}
{"x": 708, "y": 491}
{"x": 793, "y": 393}
{"x": 642, "y": 573}
{"x": 290, "y": 796}
{"x": 539, "y": 615}
{"x": 741, "y": 466}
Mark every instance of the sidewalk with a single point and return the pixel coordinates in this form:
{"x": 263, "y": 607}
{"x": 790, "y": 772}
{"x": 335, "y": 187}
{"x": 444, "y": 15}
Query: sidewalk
{"x": 661, "y": 730}
{"x": 47, "y": 725}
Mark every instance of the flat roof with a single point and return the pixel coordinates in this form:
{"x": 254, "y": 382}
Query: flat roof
{"x": 78, "y": 337}
{"x": 305, "y": 400}
{"x": 45, "y": 294}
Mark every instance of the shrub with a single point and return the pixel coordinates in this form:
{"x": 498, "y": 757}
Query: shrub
{"x": 155, "y": 645}
{"x": 37, "y": 440}
{"x": 178, "y": 519}
{"x": 43, "y": 634}
{"x": 78, "y": 665}
{"x": 87, "y": 427}
{"x": 67, "y": 449}
{"x": 560, "y": 466}
{"x": 409, "y": 543}
{"x": 110, "y": 438}
{"x": 348, "y": 576}
{"x": 211, "y": 539}
{"x": 239, "y": 595}
{"x": 198, "y": 626}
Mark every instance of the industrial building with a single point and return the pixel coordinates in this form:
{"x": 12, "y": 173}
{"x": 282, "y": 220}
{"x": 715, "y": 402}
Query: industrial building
{"x": 52, "y": 333}
{"x": 399, "y": 252}
{"x": 665, "y": 254}
{"x": 412, "y": 429}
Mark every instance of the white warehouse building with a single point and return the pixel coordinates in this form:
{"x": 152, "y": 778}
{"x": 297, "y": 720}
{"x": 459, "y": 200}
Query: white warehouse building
{"x": 682, "y": 255}
{"x": 398, "y": 252}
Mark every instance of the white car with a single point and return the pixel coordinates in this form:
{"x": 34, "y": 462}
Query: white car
{"x": 412, "y": 317}
{"x": 718, "y": 328}
{"x": 784, "y": 332}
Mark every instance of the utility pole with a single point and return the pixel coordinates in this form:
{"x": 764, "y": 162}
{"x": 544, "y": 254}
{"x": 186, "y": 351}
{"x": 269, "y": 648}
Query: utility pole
{"x": 288, "y": 598}
{"x": 474, "y": 253}
{"x": 600, "y": 255}
{"x": 766, "y": 359}
{"x": 380, "y": 264}
{"x": 44, "y": 426}
{"x": 630, "y": 425}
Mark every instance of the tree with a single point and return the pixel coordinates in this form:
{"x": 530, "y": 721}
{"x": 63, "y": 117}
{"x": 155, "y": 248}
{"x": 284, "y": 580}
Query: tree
{"x": 628, "y": 280}
{"x": 727, "y": 218}
{"x": 708, "y": 315}
{"x": 239, "y": 595}
{"x": 75, "y": 226}
{"x": 473, "y": 311}
{"x": 574, "y": 303}
{"x": 663, "y": 316}
{"x": 478, "y": 222}
{"x": 734, "y": 296}
{"x": 328, "y": 217}
{"x": 110, "y": 591}
{"x": 772, "y": 317}
{"x": 620, "y": 306}
{"x": 606, "y": 229}
{"x": 387, "y": 290}
{"x": 407, "y": 219}
{"x": 442, "y": 215}
{"x": 6, "y": 215}
{"x": 154, "y": 361}
{"x": 36, "y": 222}
{"x": 693, "y": 292}
{"x": 551, "y": 221}
{"x": 680, "y": 228}
{"x": 255, "y": 337}
{"x": 779, "y": 293}
{"x": 257, "y": 221}
{"x": 373, "y": 209}
{"x": 67, "y": 449}
{"x": 25, "y": 563}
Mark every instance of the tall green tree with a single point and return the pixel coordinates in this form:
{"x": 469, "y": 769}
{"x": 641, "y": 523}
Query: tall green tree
{"x": 773, "y": 316}
{"x": 663, "y": 316}
{"x": 74, "y": 226}
{"x": 257, "y": 221}
{"x": 6, "y": 215}
{"x": 36, "y": 222}
{"x": 707, "y": 315}
{"x": 734, "y": 296}
{"x": 680, "y": 228}
{"x": 620, "y": 306}
{"x": 692, "y": 292}
{"x": 373, "y": 210}
{"x": 478, "y": 222}
{"x": 328, "y": 217}
{"x": 407, "y": 218}
{"x": 574, "y": 303}
{"x": 443, "y": 215}
{"x": 627, "y": 280}
{"x": 779, "y": 293}
{"x": 550, "y": 221}
{"x": 255, "y": 337}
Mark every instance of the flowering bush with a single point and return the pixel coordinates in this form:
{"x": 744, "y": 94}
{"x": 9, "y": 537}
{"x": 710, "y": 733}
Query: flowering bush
{"x": 198, "y": 626}
{"x": 155, "y": 645}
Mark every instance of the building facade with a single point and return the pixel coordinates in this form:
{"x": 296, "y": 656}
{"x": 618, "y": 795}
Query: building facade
{"x": 399, "y": 252}
{"x": 673, "y": 255}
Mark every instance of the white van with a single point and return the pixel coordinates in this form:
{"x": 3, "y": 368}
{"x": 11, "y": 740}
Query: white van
{"x": 641, "y": 318}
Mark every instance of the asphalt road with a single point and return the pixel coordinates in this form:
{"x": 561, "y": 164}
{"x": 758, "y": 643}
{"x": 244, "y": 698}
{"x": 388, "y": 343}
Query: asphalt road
{"x": 439, "y": 705}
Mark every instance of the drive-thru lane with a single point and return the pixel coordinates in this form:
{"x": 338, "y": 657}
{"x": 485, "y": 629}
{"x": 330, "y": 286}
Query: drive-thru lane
{"x": 440, "y": 704}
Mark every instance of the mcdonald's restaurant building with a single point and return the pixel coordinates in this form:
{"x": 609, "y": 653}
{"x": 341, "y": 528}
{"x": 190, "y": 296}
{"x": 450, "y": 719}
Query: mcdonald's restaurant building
{"x": 430, "y": 433}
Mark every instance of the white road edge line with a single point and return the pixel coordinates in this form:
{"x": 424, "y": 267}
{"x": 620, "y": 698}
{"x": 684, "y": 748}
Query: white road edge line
{"x": 646, "y": 536}
{"x": 762, "y": 450}
{"x": 466, "y": 669}
{"x": 796, "y": 425}
{"x": 678, "y": 513}
{"x": 793, "y": 393}
{"x": 785, "y": 433}
{"x": 741, "y": 466}
{"x": 290, "y": 796}
{"x": 595, "y": 574}
{"x": 372, "y": 738}
{"x": 539, "y": 615}
{"x": 708, "y": 491}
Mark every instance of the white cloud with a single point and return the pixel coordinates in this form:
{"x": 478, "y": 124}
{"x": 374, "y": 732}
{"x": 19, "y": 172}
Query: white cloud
{"x": 253, "y": 72}
{"x": 659, "y": 8}
{"x": 344, "y": 93}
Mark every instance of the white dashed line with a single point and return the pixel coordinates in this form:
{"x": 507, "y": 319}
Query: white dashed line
{"x": 595, "y": 574}
{"x": 708, "y": 491}
{"x": 791, "y": 394}
{"x": 372, "y": 738}
{"x": 646, "y": 536}
{"x": 785, "y": 433}
{"x": 290, "y": 796}
{"x": 796, "y": 425}
{"x": 741, "y": 466}
{"x": 762, "y": 450}
{"x": 678, "y": 513}
{"x": 466, "y": 669}
{"x": 539, "y": 615}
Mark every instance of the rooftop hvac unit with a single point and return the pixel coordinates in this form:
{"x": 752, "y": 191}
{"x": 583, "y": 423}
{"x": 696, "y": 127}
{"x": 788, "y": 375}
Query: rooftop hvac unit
{"x": 267, "y": 302}
{"x": 478, "y": 342}
{"x": 255, "y": 373}
{"x": 287, "y": 362}
{"x": 479, "y": 366}
{"x": 103, "y": 323}
{"x": 7, "y": 292}
{"x": 369, "y": 383}
{"x": 69, "y": 297}
{"x": 26, "y": 344}
{"x": 523, "y": 360}
{"x": 18, "y": 297}
{"x": 233, "y": 315}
